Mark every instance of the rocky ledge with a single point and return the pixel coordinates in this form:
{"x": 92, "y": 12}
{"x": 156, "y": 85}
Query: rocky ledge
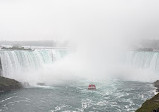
{"x": 151, "y": 105}
{"x": 156, "y": 84}
{"x": 7, "y": 84}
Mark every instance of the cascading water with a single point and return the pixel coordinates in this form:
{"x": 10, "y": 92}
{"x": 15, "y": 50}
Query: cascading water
{"x": 21, "y": 61}
{"x": 112, "y": 95}
{"x": 143, "y": 60}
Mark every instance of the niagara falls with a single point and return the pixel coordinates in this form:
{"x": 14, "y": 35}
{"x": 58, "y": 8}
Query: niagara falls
{"x": 79, "y": 56}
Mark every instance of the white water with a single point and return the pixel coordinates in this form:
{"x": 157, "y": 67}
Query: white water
{"x": 112, "y": 95}
{"x": 143, "y": 60}
{"x": 141, "y": 66}
{"x": 29, "y": 66}
{"x": 17, "y": 61}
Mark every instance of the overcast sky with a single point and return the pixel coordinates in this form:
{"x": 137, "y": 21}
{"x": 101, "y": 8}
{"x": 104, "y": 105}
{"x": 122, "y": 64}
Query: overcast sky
{"x": 75, "y": 19}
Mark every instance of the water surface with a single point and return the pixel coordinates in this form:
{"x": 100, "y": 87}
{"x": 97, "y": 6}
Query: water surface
{"x": 110, "y": 96}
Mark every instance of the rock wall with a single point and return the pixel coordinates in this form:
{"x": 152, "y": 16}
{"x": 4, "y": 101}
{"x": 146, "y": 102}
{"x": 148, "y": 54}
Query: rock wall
{"x": 7, "y": 84}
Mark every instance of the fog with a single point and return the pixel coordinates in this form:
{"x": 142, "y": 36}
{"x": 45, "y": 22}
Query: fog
{"x": 65, "y": 19}
{"x": 99, "y": 31}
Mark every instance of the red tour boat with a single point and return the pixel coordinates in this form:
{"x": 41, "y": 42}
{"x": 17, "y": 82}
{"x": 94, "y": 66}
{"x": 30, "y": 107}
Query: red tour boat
{"x": 91, "y": 87}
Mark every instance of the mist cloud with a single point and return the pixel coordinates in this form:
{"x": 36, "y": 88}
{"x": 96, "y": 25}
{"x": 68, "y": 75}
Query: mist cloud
{"x": 76, "y": 19}
{"x": 101, "y": 29}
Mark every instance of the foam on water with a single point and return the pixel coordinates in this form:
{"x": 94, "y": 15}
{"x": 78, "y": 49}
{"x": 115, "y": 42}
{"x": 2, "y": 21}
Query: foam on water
{"x": 113, "y": 95}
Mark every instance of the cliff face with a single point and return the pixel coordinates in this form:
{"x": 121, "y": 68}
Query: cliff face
{"x": 151, "y": 105}
{"x": 156, "y": 84}
{"x": 7, "y": 84}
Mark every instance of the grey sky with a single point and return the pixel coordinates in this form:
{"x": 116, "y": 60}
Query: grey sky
{"x": 76, "y": 19}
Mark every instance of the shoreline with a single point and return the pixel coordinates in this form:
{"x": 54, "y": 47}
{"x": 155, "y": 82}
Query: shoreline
{"x": 152, "y": 104}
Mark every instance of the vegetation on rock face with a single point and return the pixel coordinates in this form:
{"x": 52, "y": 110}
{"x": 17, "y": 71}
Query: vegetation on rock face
{"x": 7, "y": 84}
{"x": 151, "y": 105}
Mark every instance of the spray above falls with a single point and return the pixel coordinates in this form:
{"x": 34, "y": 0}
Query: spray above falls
{"x": 51, "y": 65}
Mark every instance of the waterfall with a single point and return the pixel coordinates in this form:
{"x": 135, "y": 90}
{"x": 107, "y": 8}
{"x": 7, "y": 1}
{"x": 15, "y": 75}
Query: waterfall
{"x": 143, "y": 59}
{"x": 21, "y": 61}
